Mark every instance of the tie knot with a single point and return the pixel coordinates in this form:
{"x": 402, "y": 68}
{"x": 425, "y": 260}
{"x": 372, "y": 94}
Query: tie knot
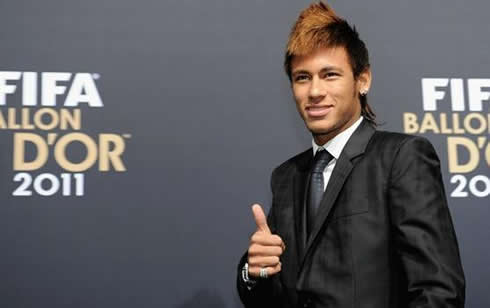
{"x": 321, "y": 160}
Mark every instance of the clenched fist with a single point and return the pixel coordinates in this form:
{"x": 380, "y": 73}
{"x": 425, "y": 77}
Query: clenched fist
{"x": 265, "y": 248}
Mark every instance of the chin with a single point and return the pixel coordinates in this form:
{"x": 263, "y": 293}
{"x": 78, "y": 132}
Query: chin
{"x": 320, "y": 127}
{"x": 316, "y": 130}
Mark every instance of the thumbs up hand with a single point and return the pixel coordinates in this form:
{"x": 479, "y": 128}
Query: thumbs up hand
{"x": 265, "y": 248}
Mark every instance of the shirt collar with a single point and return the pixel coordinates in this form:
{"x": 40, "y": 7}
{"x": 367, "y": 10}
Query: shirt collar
{"x": 335, "y": 145}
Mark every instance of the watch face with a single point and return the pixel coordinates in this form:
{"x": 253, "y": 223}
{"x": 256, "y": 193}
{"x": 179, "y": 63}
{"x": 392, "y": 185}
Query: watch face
{"x": 245, "y": 272}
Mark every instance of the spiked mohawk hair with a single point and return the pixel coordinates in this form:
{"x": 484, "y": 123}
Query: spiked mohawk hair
{"x": 318, "y": 26}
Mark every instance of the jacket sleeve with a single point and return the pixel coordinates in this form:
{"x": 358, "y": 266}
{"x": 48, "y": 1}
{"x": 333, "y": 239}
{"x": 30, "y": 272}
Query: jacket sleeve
{"x": 266, "y": 293}
{"x": 423, "y": 232}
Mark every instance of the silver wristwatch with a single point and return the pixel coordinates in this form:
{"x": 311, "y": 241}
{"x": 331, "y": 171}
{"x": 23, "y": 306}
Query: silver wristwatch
{"x": 250, "y": 282}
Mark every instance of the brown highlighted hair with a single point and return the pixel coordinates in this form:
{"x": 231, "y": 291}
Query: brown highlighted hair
{"x": 318, "y": 26}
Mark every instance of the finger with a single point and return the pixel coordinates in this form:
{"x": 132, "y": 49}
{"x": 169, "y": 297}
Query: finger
{"x": 260, "y": 261}
{"x": 260, "y": 218}
{"x": 254, "y": 271}
{"x": 265, "y": 251}
{"x": 265, "y": 239}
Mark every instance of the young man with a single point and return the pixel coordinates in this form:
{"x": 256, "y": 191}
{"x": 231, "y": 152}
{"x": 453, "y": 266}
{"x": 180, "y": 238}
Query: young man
{"x": 361, "y": 219}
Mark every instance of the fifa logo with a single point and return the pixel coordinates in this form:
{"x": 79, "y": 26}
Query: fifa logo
{"x": 79, "y": 89}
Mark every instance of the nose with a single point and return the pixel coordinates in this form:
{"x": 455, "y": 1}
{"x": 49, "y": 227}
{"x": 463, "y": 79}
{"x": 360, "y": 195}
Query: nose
{"x": 316, "y": 91}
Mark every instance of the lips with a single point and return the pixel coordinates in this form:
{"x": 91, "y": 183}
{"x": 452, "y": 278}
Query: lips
{"x": 318, "y": 111}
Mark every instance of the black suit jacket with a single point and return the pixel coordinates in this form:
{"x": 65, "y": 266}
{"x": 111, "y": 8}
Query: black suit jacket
{"x": 383, "y": 236}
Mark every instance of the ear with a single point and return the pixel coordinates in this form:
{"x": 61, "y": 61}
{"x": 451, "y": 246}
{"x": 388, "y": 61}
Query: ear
{"x": 364, "y": 81}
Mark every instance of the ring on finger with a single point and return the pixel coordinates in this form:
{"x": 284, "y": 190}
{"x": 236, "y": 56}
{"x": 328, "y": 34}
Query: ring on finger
{"x": 263, "y": 272}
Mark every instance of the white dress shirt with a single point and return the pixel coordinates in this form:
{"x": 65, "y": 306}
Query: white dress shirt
{"x": 335, "y": 146}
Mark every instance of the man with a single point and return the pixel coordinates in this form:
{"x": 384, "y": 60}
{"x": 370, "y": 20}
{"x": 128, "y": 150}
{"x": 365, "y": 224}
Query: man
{"x": 361, "y": 219}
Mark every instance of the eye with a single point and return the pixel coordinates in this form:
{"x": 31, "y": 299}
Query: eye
{"x": 301, "y": 77}
{"x": 331, "y": 74}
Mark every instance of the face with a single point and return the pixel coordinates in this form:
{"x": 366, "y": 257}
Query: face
{"x": 326, "y": 93}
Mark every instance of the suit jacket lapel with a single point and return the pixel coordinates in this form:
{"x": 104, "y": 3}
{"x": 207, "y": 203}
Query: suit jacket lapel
{"x": 343, "y": 167}
{"x": 300, "y": 183}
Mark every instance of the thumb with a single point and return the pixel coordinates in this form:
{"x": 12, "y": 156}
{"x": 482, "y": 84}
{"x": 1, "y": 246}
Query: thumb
{"x": 260, "y": 219}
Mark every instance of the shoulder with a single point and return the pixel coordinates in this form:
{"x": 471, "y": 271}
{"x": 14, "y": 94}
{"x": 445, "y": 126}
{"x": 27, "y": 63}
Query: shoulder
{"x": 298, "y": 161}
{"x": 405, "y": 155}
{"x": 398, "y": 142}
{"x": 393, "y": 138}
{"x": 292, "y": 165}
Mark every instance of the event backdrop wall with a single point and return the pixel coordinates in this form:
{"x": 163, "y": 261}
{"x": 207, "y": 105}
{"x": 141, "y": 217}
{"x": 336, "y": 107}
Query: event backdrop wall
{"x": 135, "y": 135}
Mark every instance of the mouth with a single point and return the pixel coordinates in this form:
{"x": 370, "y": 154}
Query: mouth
{"x": 314, "y": 111}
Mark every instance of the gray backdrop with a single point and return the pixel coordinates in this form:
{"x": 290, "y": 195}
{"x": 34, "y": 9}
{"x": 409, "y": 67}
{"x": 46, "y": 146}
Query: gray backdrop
{"x": 199, "y": 87}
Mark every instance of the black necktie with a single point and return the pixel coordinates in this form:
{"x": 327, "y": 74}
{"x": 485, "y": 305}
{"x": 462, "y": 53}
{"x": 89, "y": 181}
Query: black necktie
{"x": 321, "y": 160}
